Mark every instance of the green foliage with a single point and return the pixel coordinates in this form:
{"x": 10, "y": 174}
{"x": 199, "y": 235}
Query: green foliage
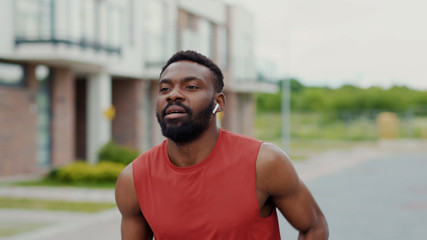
{"x": 11, "y": 228}
{"x": 268, "y": 102}
{"x": 268, "y": 126}
{"x": 112, "y": 152}
{"x": 51, "y": 181}
{"x": 348, "y": 98}
{"x": 311, "y": 99}
{"x": 84, "y": 172}
{"x": 55, "y": 205}
{"x": 296, "y": 86}
{"x": 315, "y": 125}
{"x": 112, "y": 159}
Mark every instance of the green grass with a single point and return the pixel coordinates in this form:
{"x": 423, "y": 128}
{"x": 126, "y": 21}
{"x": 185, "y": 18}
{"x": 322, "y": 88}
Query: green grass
{"x": 322, "y": 126}
{"x": 54, "y": 205}
{"x": 314, "y": 126}
{"x": 8, "y": 229}
{"x": 310, "y": 134}
{"x": 301, "y": 149}
{"x": 47, "y": 182}
{"x": 313, "y": 133}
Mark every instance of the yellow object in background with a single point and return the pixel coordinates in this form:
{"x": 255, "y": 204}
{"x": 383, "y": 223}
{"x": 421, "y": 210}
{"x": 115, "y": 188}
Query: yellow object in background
{"x": 388, "y": 125}
{"x": 110, "y": 113}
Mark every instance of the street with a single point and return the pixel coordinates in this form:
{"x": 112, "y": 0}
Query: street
{"x": 383, "y": 198}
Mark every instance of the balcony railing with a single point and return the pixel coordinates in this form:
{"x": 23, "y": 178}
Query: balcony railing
{"x": 88, "y": 24}
{"x": 81, "y": 43}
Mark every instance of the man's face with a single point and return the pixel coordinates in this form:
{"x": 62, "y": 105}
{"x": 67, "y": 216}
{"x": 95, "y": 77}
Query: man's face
{"x": 185, "y": 101}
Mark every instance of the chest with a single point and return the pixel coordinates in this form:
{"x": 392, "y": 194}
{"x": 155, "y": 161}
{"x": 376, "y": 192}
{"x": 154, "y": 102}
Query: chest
{"x": 210, "y": 200}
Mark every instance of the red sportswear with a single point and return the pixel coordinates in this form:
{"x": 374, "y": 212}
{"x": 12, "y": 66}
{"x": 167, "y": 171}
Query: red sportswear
{"x": 215, "y": 199}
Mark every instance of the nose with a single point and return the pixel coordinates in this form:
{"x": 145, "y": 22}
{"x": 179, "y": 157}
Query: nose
{"x": 174, "y": 95}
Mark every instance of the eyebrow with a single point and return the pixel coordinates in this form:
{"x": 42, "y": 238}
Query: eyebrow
{"x": 185, "y": 80}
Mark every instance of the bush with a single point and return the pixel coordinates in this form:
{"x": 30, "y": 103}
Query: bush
{"x": 112, "y": 152}
{"x": 85, "y": 172}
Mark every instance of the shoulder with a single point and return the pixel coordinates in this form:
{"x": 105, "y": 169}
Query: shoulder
{"x": 127, "y": 180}
{"x": 125, "y": 193}
{"x": 238, "y": 139}
{"x": 275, "y": 173}
{"x": 155, "y": 152}
{"x": 133, "y": 224}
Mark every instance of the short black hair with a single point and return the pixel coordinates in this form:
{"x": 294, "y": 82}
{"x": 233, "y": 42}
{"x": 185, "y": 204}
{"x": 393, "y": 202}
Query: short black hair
{"x": 193, "y": 56}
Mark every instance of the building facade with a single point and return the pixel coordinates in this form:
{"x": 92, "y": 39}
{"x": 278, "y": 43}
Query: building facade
{"x": 75, "y": 74}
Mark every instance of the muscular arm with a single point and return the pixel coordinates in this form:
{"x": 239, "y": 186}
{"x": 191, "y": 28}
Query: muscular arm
{"x": 134, "y": 225}
{"x": 278, "y": 180}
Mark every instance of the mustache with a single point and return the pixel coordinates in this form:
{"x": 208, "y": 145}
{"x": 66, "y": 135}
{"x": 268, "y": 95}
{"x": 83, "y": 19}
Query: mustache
{"x": 186, "y": 108}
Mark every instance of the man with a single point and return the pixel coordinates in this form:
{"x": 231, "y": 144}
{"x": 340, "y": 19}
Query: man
{"x": 204, "y": 182}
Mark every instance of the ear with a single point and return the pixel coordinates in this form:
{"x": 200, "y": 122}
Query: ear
{"x": 220, "y": 99}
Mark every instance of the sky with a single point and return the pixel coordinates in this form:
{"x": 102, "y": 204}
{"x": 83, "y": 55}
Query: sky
{"x": 335, "y": 42}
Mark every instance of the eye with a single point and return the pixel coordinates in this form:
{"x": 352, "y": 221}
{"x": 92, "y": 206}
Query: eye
{"x": 164, "y": 89}
{"x": 192, "y": 87}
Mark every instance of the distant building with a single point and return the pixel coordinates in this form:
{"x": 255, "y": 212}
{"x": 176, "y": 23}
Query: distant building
{"x": 66, "y": 66}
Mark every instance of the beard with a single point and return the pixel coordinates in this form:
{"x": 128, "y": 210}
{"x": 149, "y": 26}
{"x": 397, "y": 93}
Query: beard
{"x": 190, "y": 128}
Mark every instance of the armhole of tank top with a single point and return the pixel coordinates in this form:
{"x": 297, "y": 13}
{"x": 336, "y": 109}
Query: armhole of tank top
{"x": 259, "y": 143}
{"x": 135, "y": 180}
{"x": 273, "y": 212}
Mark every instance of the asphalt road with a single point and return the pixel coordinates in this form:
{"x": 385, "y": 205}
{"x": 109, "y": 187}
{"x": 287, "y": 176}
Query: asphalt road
{"x": 383, "y": 198}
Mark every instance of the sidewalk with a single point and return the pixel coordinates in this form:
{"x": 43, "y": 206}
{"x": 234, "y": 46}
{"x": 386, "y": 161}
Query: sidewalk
{"x": 64, "y": 225}
{"x": 58, "y": 193}
{"x": 106, "y": 225}
{"x": 337, "y": 160}
{"x": 52, "y": 225}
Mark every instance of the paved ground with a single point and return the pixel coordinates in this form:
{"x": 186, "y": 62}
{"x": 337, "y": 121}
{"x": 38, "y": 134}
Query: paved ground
{"x": 371, "y": 192}
{"x": 382, "y": 195}
{"x": 69, "y": 194}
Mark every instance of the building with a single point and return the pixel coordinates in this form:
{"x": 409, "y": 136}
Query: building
{"x": 75, "y": 74}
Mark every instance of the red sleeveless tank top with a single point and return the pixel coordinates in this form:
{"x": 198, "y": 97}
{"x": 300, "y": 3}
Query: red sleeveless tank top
{"x": 215, "y": 199}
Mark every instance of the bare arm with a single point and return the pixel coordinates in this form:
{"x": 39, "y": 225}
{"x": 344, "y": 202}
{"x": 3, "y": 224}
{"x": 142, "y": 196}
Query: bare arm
{"x": 277, "y": 178}
{"x": 134, "y": 225}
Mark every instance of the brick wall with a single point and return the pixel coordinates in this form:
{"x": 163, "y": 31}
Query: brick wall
{"x": 248, "y": 114}
{"x": 63, "y": 117}
{"x": 127, "y": 124}
{"x": 239, "y": 113}
{"x": 156, "y": 136}
{"x": 18, "y": 127}
{"x": 231, "y": 111}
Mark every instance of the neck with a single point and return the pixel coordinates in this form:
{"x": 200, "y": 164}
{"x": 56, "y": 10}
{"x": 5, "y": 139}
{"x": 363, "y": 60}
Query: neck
{"x": 185, "y": 155}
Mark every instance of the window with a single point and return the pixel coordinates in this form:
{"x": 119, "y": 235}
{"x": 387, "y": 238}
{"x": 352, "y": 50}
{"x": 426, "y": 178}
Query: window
{"x": 33, "y": 19}
{"x": 11, "y": 74}
{"x": 222, "y": 47}
{"x": 86, "y": 23}
{"x": 43, "y": 115}
{"x": 244, "y": 68}
{"x": 131, "y": 25}
{"x": 205, "y": 37}
{"x": 116, "y": 27}
{"x": 75, "y": 28}
{"x": 103, "y": 24}
{"x": 156, "y": 32}
{"x": 198, "y": 34}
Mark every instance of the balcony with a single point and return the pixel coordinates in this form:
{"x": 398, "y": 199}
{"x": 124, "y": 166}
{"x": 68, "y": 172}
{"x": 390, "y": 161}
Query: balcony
{"x": 86, "y": 24}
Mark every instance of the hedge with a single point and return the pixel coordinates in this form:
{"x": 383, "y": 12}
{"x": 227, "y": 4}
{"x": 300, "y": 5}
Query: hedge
{"x": 85, "y": 172}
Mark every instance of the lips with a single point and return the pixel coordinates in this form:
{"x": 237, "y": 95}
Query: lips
{"x": 174, "y": 112}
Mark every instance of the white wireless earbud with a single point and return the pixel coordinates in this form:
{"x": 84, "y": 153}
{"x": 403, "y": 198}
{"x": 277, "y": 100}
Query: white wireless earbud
{"x": 215, "y": 108}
